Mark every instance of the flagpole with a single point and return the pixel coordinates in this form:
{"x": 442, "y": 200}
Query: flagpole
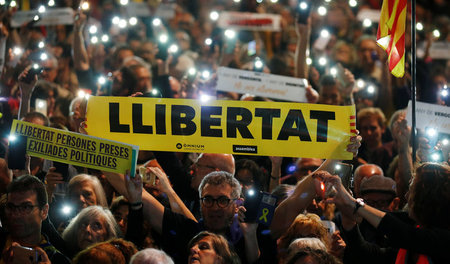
{"x": 413, "y": 76}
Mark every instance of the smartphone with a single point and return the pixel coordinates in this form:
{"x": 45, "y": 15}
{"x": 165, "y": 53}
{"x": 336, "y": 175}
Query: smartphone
{"x": 147, "y": 177}
{"x": 41, "y": 106}
{"x": 36, "y": 69}
{"x": 25, "y": 255}
{"x": 16, "y": 153}
{"x": 303, "y": 10}
{"x": 62, "y": 168}
{"x": 251, "y": 48}
{"x": 252, "y": 199}
{"x": 345, "y": 172}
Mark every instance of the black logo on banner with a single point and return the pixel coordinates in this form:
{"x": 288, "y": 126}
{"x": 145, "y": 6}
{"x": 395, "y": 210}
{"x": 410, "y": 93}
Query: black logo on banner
{"x": 179, "y": 146}
{"x": 245, "y": 149}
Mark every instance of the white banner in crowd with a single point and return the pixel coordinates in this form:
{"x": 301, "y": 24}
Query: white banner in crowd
{"x": 440, "y": 50}
{"x": 249, "y": 21}
{"x": 142, "y": 9}
{"x": 430, "y": 115}
{"x": 51, "y": 17}
{"x": 262, "y": 84}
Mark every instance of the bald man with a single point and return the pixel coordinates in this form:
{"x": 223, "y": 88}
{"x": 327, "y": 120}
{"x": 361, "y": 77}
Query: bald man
{"x": 365, "y": 171}
{"x": 209, "y": 162}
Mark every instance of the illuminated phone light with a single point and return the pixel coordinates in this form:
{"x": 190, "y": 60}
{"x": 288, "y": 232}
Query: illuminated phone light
{"x": 192, "y": 71}
{"x": 93, "y": 29}
{"x": 323, "y": 61}
{"x": 237, "y": 1}
{"x": 322, "y": 186}
{"x": 214, "y": 15}
{"x": 41, "y": 44}
{"x": 352, "y": 3}
{"x": 205, "y": 98}
{"x": 309, "y": 61}
{"x": 2, "y": 2}
{"x": 230, "y": 34}
{"x": 208, "y": 41}
{"x": 105, "y": 38}
{"x": 435, "y": 156}
{"x": 94, "y": 40}
{"x": 124, "y": 2}
{"x": 41, "y": 9}
{"x": 324, "y": 33}
{"x": 173, "y": 48}
{"x": 12, "y": 138}
{"x": 163, "y": 38}
{"x": 35, "y": 66}
{"x": 13, "y": 3}
{"x": 367, "y": 22}
{"x": 431, "y": 132}
{"x": 322, "y": 10}
{"x": 436, "y": 33}
{"x": 371, "y": 89}
{"x": 360, "y": 83}
{"x": 44, "y": 56}
{"x": 259, "y": 1}
{"x": 445, "y": 142}
{"x": 51, "y": 3}
{"x": 251, "y": 192}
{"x": 41, "y": 104}
{"x": 81, "y": 94}
{"x": 259, "y": 64}
{"x": 101, "y": 80}
{"x": 274, "y": 1}
{"x": 333, "y": 71}
{"x": 303, "y": 5}
{"x": 155, "y": 92}
{"x": 156, "y": 22}
{"x": 133, "y": 21}
{"x": 206, "y": 74}
{"x": 66, "y": 209}
{"x": 419, "y": 26}
{"x": 85, "y": 6}
{"x": 122, "y": 23}
{"x": 17, "y": 51}
{"x": 116, "y": 20}
{"x": 444, "y": 93}
{"x": 36, "y": 18}
{"x": 338, "y": 167}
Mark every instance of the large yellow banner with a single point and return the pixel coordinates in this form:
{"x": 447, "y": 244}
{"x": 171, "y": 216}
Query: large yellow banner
{"x": 235, "y": 127}
{"x": 76, "y": 149}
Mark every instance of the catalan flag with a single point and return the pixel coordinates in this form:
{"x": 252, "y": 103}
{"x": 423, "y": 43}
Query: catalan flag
{"x": 391, "y": 34}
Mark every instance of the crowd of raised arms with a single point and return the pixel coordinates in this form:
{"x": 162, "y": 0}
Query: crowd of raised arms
{"x": 386, "y": 207}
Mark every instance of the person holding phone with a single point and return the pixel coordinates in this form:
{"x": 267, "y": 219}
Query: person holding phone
{"x": 25, "y": 209}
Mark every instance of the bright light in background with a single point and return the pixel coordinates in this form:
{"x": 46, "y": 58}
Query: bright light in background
{"x": 93, "y": 29}
{"x": 173, "y": 48}
{"x": 229, "y": 33}
{"x": 431, "y": 132}
{"x": 251, "y": 192}
{"x": 435, "y": 156}
{"x": 322, "y": 10}
{"x": 214, "y": 15}
{"x": 66, "y": 209}
{"x": 2, "y": 2}
{"x": 41, "y": 44}
{"x": 324, "y": 33}
{"x": 445, "y": 142}
{"x": 419, "y": 26}
{"x": 81, "y": 94}
{"x": 367, "y": 22}
{"x": 116, "y": 20}
{"x": 205, "y": 98}
{"x": 327, "y": 1}
{"x": 154, "y": 92}
{"x": 133, "y": 21}
{"x": 192, "y": 71}
{"x": 360, "y": 83}
{"x": 122, "y": 23}
{"x": 105, "y": 38}
{"x": 333, "y": 71}
{"x": 322, "y": 61}
{"x": 35, "y": 66}
{"x": 237, "y": 1}
{"x": 94, "y": 40}
{"x": 41, "y": 104}
{"x": 41, "y": 9}
{"x": 156, "y": 22}
{"x": 208, "y": 41}
{"x": 163, "y": 38}
{"x": 17, "y": 51}
{"x": 352, "y": 3}
{"x": 258, "y": 64}
{"x": 436, "y": 33}
{"x": 85, "y": 5}
{"x": 259, "y": 1}
{"x": 444, "y": 93}
{"x": 44, "y": 56}
{"x": 13, "y": 4}
{"x": 101, "y": 80}
{"x": 308, "y": 61}
{"x": 36, "y": 18}
{"x": 206, "y": 74}
{"x": 303, "y": 5}
{"x": 12, "y": 137}
{"x": 124, "y": 2}
{"x": 337, "y": 167}
{"x": 51, "y": 3}
{"x": 371, "y": 89}
{"x": 274, "y": 1}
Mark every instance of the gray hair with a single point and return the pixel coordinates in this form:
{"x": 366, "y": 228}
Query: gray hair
{"x": 221, "y": 177}
{"x": 151, "y": 256}
{"x": 98, "y": 188}
{"x": 70, "y": 233}
{"x": 304, "y": 242}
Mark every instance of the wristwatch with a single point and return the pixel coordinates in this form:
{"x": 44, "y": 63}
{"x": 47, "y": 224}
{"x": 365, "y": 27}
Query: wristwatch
{"x": 358, "y": 203}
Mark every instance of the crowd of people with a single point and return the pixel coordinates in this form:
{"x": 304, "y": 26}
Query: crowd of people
{"x": 384, "y": 206}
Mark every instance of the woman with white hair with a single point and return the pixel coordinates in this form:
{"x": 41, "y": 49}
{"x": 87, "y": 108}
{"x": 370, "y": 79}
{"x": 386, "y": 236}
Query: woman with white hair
{"x": 85, "y": 190}
{"x": 151, "y": 256}
{"x": 92, "y": 225}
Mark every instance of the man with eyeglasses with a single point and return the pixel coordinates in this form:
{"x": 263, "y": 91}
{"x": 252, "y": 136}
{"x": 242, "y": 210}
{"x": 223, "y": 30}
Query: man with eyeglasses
{"x": 25, "y": 209}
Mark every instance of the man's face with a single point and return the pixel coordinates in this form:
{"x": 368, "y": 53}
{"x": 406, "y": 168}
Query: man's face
{"x": 381, "y": 201}
{"x": 366, "y": 49}
{"x": 49, "y": 72}
{"x": 25, "y": 222}
{"x": 329, "y": 94}
{"x": 305, "y": 166}
{"x": 201, "y": 168}
{"x": 83, "y": 195}
{"x": 144, "y": 80}
{"x": 216, "y": 218}
{"x": 371, "y": 132}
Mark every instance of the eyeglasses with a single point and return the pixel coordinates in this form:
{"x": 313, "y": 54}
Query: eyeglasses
{"x": 22, "y": 209}
{"x": 222, "y": 201}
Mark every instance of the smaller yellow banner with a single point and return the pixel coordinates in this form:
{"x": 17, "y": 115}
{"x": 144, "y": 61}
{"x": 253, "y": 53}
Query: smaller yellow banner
{"x": 76, "y": 149}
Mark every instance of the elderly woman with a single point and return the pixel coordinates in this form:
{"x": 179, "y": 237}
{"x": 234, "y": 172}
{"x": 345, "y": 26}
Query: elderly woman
{"x": 92, "y": 225}
{"x": 210, "y": 248}
{"x": 114, "y": 251}
{"x": 86, "y": 190}
{"x": 429, "y": 203}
